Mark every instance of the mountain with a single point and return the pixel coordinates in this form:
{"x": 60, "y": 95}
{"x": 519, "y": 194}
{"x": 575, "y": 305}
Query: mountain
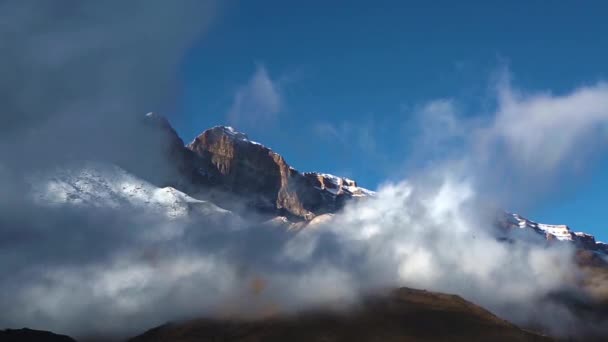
{"x": 552, "y": 232}
{"x": 29, "y": 335}
{"x": 227, "y": 161}
{"x": 225, "y": 167}
{"x": 261, "y": 176}
{"x": 102, "y": 185}
{"x": 222, "y": 176}
{"x": 403, "y": 315}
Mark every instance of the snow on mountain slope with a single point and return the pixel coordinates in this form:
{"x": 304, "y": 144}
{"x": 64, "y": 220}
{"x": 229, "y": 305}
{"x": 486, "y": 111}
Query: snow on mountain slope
{"x": 108, "y": 186}
{"x": 559, "y": 232}
{"x": 338, "y": 185}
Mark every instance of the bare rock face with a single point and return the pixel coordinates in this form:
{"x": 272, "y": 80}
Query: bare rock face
{"x": 263, "y": 177}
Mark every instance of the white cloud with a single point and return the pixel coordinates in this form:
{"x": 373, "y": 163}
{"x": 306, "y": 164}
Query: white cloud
{"x": 527, "y": 144}
{"x": 259, "y": 101}
{"x": 349, "y": 134}
{"x": 544, "y": 130}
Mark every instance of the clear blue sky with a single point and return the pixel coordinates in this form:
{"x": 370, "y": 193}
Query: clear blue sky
{"x": 345, "y": 78}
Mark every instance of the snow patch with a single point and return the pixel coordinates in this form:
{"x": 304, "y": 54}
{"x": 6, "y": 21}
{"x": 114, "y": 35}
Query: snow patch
{"x": 100, "y": 185}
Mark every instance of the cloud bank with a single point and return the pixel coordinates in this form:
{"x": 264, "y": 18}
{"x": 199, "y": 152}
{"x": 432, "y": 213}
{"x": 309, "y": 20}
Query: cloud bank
{"x": 77, "y": 75}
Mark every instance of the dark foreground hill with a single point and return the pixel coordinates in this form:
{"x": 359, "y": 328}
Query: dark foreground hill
{"x": 29, "y": 335}
{"x": 405, "y": 315}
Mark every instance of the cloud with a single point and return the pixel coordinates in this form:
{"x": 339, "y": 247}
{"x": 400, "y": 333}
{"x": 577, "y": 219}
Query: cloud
{"x": 349, "y": 135}
{"x": 260, "y": 100}
{"x": 545, "y": 131}
{"x": 100, "y": 264}
{"x": 77, "y": 78}
{"x": 536, "y": 140}
{"x": 78, "y": 75}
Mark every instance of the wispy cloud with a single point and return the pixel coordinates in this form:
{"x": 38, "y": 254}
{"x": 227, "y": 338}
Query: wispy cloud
{"x": 531, "y": 140}
{"x": 361, "y": 136}
{"x": 257, "y": 101}
{"x": 544, "y": 130}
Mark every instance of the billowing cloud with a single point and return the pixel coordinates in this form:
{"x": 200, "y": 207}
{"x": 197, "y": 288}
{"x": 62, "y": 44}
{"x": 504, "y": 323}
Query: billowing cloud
{"x": 78, "y": 74}
{"x": 257, "y": 101}
{"x": 84, "y": 265}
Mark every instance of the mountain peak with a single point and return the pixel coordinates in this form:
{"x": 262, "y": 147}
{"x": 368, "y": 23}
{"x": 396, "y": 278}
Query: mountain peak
{"x": 226, "y": 131}
{"x": 251, "y": 170}
{"x": 559, "y": 232}
{"x": 229, "y": 130}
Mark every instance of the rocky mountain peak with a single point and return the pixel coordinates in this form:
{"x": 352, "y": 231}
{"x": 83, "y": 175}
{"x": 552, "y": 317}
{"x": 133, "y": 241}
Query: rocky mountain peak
{"x": 264, "y": 179}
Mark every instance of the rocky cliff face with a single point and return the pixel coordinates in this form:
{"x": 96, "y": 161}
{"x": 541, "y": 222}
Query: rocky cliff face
{"x": 264, "y": 179}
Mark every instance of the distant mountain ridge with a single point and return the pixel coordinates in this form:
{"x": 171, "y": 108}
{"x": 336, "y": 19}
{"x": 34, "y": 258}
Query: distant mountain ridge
{"x": 226, "y": 159}
{"x": 555, "y": 232}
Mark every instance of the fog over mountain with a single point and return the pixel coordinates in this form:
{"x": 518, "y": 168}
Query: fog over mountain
{"x": 110, "y": 226}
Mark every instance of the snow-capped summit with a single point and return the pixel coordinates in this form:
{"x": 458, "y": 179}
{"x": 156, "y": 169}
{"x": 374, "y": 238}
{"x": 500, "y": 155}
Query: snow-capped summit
{"x": 558, "y": 232}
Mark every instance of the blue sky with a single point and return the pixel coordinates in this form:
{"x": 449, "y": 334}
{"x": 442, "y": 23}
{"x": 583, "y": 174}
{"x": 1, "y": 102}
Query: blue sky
{"x": 339, "y": 88}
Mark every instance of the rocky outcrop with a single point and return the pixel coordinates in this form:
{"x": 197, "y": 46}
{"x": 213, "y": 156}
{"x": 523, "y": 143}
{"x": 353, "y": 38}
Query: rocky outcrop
{"x": 262, "y": 177}
{"x": 602, "y": 247}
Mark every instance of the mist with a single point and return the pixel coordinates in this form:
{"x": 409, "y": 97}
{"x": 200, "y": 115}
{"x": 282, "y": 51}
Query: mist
{"x": 80, "y": 74}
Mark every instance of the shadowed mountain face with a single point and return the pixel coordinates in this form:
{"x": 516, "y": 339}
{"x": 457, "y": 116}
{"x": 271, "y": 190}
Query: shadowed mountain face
{"x": 404, "y": 315}
{"x": 29, "y": 335}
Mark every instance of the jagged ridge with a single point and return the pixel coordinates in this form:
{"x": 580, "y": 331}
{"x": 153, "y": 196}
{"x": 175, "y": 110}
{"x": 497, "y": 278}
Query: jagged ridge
{"x": 559, "y": 232}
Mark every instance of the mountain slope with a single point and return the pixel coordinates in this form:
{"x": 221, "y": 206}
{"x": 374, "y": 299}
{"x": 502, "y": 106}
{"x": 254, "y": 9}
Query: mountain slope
{"x": 96, "y": 184}
{"x": 404, "y": 315}
{"x": 29, "y": 335}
